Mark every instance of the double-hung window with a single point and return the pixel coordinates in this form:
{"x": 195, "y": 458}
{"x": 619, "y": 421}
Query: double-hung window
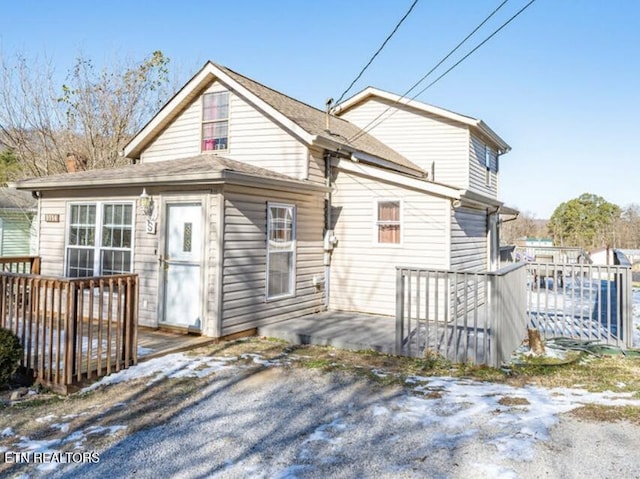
{"x": 99, "y": 239}
{"x": 388, "y": 221}
{"x": 215, "y": 121}
{"x": 281, "y": 249}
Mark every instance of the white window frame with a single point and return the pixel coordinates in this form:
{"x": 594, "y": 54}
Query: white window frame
{"x": 377, "y": 222}
{"x": 292, "y": 250}
{"x": 204, "y": 122}
{"x": 487, "y": 165}
{"x": 99, "y": 223}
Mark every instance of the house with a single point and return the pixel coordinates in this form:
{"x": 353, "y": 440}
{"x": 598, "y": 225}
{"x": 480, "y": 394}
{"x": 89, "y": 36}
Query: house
{"x": 243, "y": 206}
{"x": 609, "y": 256}
{"x": 17, "y": 232}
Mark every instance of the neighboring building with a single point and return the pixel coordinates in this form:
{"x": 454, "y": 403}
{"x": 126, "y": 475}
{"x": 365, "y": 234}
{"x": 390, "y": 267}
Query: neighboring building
{"x": 530, "y": 242}
{"x": 247, "y": 207}
{"x": 17, "y": 229}
{"x": 633, "y": 255}
{"x": 609, "y": 256}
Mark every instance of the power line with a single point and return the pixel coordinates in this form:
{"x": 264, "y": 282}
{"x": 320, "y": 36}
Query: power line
{"x": 424, "y": 77}
{"x": 378, "y": 51}
{"x": 369, "y": 126}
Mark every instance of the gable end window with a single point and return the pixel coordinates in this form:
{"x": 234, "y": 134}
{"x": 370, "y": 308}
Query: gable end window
{"x": 99, "y": 239}
{"x": 388, "y": 221}
{"x": 281, "y": 249}
{"x": 215, "y": 121}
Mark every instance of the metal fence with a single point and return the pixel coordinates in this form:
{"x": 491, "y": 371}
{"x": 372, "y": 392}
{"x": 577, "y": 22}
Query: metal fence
{"x": 470, "y": 317}
{"x": 581, "y": 301}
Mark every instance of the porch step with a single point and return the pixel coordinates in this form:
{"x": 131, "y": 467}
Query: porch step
{"x": 344, "y": 330}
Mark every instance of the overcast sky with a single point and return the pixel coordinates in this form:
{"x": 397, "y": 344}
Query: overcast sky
{"x": 559, "y": 84}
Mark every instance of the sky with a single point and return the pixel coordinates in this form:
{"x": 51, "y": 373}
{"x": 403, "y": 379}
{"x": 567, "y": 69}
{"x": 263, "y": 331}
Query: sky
{"x": 559, "y": 83}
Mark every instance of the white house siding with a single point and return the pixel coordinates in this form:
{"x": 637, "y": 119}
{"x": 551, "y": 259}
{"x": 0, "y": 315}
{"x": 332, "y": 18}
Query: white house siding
{"x": 477, "y": 168}
{"x": 469, "y": 239}
{"x": 16, "y": 233}
{"x": 363, "y": 274}
{"x": 420, "y": 137}
{"x": 254, "y": 138}
{"x": 316, "y": 166}
{"x": 244, "y": 304}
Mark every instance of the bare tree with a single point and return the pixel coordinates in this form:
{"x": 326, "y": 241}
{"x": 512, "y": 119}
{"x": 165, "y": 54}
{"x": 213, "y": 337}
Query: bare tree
{"x": 93, "y": 114}
{"x": 526, "y": 225}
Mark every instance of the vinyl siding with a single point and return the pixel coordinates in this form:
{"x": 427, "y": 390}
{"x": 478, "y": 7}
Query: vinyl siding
{"x": 254, "y": 138}
{"x": 16, "y": 233}
{"x": 477, "y": 168}
{"x": 363, "y": 273}
{"x": 469, "y": 240}
{"x": 422, "y": 138}
{"x": 316, "y": 166}
{"x": 244, "y": 304}
{"x": 146, "y": 246}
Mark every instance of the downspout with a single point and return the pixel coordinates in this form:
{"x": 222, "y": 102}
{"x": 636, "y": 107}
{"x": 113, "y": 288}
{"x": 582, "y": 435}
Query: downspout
{"x": 327, "y": 228}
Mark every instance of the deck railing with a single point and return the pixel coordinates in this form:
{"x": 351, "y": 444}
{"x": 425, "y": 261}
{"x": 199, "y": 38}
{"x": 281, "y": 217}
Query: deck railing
{"x": 464, "y": 316}
{"x": 71, "y": 330}
{"x": 581, "y": 301}
{"x": 20, "y": 264}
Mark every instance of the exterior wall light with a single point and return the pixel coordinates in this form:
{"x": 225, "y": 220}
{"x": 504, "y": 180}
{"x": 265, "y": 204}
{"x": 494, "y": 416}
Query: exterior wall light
{"x": 149, "y": 210}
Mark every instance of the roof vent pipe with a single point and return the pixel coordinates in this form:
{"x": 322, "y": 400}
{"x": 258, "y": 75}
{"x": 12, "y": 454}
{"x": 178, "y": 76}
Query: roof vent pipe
{"x": 328, "y": 105}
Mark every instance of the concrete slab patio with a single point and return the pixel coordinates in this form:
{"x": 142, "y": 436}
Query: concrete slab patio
{"x": 341, "y": 329}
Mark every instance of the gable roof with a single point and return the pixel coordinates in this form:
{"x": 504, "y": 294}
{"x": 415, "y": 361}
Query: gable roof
{"x": 304, "y": 121}
{"x": 207, "y": 168}
{"x": 471, "y": 122}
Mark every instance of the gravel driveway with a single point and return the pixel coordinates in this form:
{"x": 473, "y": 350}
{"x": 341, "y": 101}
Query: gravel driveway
{"x": 275, "y": 422}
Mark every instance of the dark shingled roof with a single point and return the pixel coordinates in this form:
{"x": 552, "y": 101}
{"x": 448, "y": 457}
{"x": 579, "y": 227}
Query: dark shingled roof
{"x": 203, "y": 167}
{"x": 313, "y": 121}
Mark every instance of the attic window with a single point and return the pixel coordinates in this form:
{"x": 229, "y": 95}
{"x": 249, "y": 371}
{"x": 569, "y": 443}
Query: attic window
{"x": 215, "y": 121}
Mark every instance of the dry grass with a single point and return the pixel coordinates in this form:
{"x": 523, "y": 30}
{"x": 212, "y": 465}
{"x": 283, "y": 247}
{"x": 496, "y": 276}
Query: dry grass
{"x": 138, "y": 405}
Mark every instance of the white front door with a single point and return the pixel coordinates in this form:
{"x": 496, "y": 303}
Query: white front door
{"x": 182, "y": 265}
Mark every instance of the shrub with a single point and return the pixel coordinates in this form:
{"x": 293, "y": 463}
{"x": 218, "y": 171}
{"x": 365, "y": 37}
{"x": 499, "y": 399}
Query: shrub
{"x": 10, "y": 354}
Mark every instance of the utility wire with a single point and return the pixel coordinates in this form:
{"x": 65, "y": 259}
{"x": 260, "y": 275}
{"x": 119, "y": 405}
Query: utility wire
{"x": 378, "y": 51}
{"x": 369, "y": 126}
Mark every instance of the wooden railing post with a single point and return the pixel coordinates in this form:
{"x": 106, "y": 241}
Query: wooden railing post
{"x": 48, "y": 314}
{"x": 399, "y": 309}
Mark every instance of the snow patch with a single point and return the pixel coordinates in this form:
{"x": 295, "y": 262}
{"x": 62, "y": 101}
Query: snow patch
{"x": 170, "y": 366}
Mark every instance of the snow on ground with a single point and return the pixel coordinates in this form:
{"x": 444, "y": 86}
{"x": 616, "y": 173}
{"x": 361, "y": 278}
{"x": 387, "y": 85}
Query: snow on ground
{"x": 169, "y": 366}
{"x": 449, "y": 414}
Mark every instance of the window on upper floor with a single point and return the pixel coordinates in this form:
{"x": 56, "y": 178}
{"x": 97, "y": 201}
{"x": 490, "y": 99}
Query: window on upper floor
{"x": 215, "y": 121}
{"x": 99, "y": 239}
{"x": 487, "y": 165}
{"x": 388, "y": 221}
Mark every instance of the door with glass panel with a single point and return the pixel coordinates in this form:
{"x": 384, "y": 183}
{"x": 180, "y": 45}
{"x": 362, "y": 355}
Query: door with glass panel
{"x": 182, "y": 265}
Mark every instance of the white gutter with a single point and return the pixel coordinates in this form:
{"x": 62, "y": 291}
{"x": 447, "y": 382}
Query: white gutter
{"x": 169, "y": 180}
